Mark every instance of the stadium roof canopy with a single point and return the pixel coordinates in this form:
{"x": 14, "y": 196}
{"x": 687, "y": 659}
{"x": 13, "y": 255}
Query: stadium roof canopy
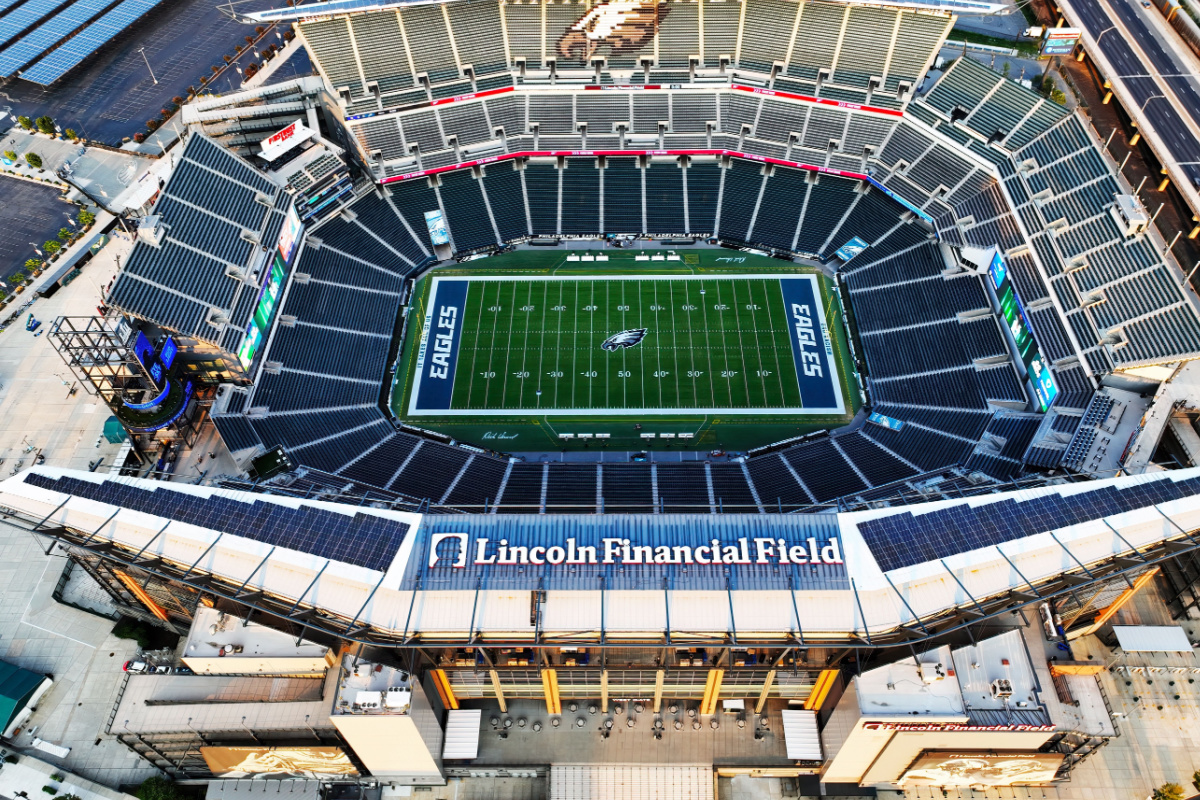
{"x": 332, "y": 7}
{"x": 396, "y": 578}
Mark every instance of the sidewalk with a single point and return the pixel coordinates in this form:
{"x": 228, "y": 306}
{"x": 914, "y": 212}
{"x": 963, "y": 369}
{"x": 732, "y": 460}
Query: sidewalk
{"x": 104, "y": 173}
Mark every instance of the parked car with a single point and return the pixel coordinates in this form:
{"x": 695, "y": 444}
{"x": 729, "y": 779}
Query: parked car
{"x": 136, "y": 666}
{"x": 181, "y": 670}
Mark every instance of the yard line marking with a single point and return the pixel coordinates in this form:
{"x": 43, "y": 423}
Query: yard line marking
{"x": 757, "y": 343}
{"x": 475, "y": 349}
{"x": 512, "y": 316}
{"x": 591, "y": 384}
{"x": 624, "y": 350}
{"x": 574, "y": 343}
{"x": 525, "y": 348}
{"x": 558, "y": 346}
{"x": 771, "y": 322}
{"x": 537, "y": 385}
{"x": 737, "y": 320}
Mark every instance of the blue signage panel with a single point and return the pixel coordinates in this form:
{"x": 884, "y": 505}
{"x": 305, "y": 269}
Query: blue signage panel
{"x": 811, "y": 348}
{"x": 169, "y": 350}
{"x": 1042, "y": 379}
{"x": 436, "y": 223}
{"x": 887, "y": 422}
{"x": 851, "y": 248}
{"x": 438, "y": 354}
{"x": 627, "y": 551}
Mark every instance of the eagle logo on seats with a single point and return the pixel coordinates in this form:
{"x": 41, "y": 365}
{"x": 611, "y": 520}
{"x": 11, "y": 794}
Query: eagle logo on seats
{"x": 624, "y": 339}
{"x": 624, "y": 25}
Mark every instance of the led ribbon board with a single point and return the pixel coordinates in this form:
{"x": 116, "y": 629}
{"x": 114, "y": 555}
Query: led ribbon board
{"x": 1013, "y": 311}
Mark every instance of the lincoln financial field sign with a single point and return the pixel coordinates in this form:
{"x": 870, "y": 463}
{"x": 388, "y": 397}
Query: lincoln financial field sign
{"x": 456, "y": 549}
{"x": 625, "y": 551}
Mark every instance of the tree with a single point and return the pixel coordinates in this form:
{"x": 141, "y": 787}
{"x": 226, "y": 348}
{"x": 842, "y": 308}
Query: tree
{"x": 33, "y": 263}
{"x": 85, "y": 218}
{"x": 44, "y": 124}
{"x": 1058, "y": 96}
{"x": 71, "y": 134}
{"x": 17, "y": 279}
{"x": 1168, "y": 791}
{"x": 34, "y": 160}
{"x": 157, "y": 788}
{"x": 11, "y": 155}
{"x": 64, "y": 234}
{"x": 25, "y": 122}
{"x": 52, "y": 246}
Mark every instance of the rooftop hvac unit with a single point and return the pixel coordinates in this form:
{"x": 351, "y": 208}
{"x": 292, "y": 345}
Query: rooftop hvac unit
{"x": 397, "y": 698}
{"x": 150, "y": 230}
{"x": 368, "y": 699}
{"x": 1130, "y": 214}
{"x": 932, "y": 671}
{"x": 1001, "y": 687}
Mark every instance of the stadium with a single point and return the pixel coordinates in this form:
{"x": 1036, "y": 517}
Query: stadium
{"x": 684, "y": 351}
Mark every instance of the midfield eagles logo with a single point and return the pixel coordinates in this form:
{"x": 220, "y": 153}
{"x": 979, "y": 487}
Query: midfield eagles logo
{"x": 627, "y": 338}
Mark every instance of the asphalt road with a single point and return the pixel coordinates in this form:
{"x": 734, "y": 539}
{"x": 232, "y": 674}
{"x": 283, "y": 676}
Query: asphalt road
{"x": 1162, "y": 112}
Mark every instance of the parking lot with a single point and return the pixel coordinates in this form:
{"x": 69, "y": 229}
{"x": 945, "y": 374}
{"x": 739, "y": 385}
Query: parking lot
{"x": 41, "y": 215}
{"x": 112, "y": 95}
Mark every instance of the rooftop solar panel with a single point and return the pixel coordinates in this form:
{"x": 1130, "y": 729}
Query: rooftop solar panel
{"x": 904, "y": 539}
{"x": 364, "y": 540}
{"x": 48, "y": 34}
{"x": 87, "y": 41}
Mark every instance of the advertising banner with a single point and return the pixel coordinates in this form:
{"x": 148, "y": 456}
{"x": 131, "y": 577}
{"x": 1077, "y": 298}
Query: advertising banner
{"x": 283, "y": 762}
{"x": 1060, "y": 41}
{"x": 851, "y": 248}
{"x": 436, "y": 223}
{"x": 1040, "y": 374}
{"x": 289, "y": 235}
{"x": 964, "y": 769}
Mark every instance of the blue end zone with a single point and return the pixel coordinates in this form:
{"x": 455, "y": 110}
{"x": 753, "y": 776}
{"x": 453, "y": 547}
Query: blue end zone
{"x": 811, "y": 348}
{"x": 439, "y": 346}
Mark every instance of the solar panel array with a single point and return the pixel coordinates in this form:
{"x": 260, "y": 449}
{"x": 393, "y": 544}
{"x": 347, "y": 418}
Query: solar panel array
{"x": 364, "y": 540}
{"x": 905, "y": 539}
{"x": 48, "y": 34}
{"x": 23, "y": 16}
{"x": 87, "y": 41}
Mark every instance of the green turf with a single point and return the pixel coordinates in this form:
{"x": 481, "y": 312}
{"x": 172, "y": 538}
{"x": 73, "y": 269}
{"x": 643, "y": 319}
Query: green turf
{"x": 718, "y": 366}
{"x": 711, "y": 343}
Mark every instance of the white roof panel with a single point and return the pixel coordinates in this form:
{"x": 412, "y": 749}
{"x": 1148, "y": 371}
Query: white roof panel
{"x": 801, "y": 736}
{"x": 462, "y": 734}
{"x": 1152, "y": 639}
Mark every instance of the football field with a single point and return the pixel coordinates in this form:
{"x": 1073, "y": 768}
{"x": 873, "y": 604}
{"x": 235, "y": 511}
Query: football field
{"x": 625, "y": 345}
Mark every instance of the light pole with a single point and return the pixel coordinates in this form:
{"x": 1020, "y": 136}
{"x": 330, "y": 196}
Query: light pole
{"x": 36, "y": 249}
{"x": 70, "y": 219}
{"x": 142, "y": 50}
{"x": 252, "y": 736}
